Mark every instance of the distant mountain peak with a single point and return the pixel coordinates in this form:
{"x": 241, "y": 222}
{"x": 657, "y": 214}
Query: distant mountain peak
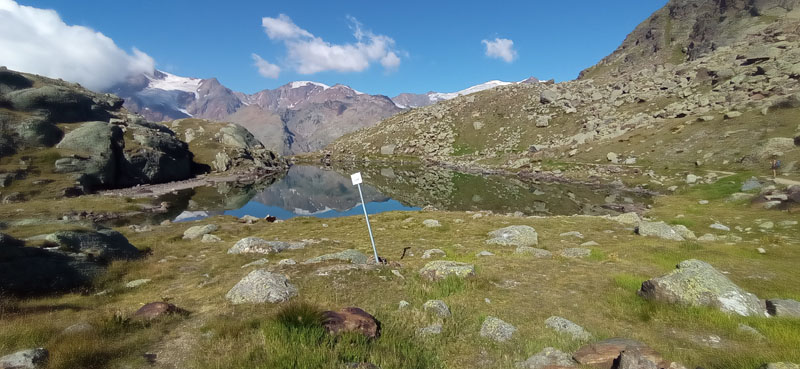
{"x": 170, "y": 82}
{"x": 299, "y": 84}
{"x": 407, "y": 100}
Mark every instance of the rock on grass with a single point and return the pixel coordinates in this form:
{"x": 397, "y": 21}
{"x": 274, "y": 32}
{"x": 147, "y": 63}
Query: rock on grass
{"x": 546, "y": 359}
{"x": 562, "y": 325}
{"x": 697, "y": 283}
{"x": 441, "y": 269}
{"x": 26, "y": 359}
{"x": 262, "y": 286}
{"x": 518, "y": 235}
{"x": 198, "y": 231}
{"x": 496, "y": 329}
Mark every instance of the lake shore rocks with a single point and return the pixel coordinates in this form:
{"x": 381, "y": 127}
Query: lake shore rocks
{"x": 697, "y": 283}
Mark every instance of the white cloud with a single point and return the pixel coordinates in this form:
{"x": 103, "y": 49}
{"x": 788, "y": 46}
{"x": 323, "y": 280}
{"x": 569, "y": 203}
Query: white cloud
{"x": 265, "y": 68}
{"x": 500, "y": 48}
{"x": 37, "y": 41}
{"x": 309, "y": 54}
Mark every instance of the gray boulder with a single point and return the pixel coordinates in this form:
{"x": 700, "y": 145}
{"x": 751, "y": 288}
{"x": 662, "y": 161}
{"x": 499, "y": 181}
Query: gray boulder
{"x": 198, "y": 231}
{"x": 430, "y": 330}
{"x": 697, "y": 283}
{"x": 562, "y": 325}
{"x": 497, "y": 330}
{"x": 783, "y": 308}
{"x": 352, "y": 256}
{"x": 255, "y": 245}
{"x": 780, "y": 365}
{"x": 433, "y": 252}
{"x": 262, "y": 286}
{"x": 94, "y": 146}
{"x": 441, "y": 269}
{"x": 546, "y": 359}
{"x": 548, "y": 97}
{"x": 156, "y": 155}
{"x": 103, "y": 245}
{"x": 437, "y": 307}
{"x": 519, "y": 235}
{"x": 26, "y": 359}
{"x": 658, "y": 229}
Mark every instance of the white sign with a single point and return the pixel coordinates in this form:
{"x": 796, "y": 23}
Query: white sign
{"x": 356, "y": 178}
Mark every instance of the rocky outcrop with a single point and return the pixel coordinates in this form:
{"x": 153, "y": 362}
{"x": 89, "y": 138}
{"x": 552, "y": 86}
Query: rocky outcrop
{"x": 103, "y": 245}
{"x": 697, "y": 283}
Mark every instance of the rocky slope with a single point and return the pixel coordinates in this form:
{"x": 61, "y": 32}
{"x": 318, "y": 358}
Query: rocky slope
{"x": 59, "y": 138}
{"x": 642, "y": 103}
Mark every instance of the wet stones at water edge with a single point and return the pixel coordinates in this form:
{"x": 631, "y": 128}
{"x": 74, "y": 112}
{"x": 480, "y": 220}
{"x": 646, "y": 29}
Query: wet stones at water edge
{"x": 496, "y": 329}
{"x": 262, "y": 286}
{"x": 696, "y": 283}
{"x": 26, "y": 359}
{"x": 518, "y": 235}
{"x": 440, "y": 269}
{"x": 351, "y": 319}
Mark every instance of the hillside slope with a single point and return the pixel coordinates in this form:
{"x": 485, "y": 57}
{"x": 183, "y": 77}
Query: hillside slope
{"x": 733, "y": 104}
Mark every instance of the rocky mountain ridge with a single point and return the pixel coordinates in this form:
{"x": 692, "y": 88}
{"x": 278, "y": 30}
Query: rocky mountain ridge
{"x": 747, "y": 82}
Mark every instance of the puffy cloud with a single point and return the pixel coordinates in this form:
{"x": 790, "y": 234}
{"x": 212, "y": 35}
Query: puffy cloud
{"x": 265, "y": 68}
{"x": 37, "y": 41}
{"x": 500, "y": 48}
{"x": 309, "y": 54}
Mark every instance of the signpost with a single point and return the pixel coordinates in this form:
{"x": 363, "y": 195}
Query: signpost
{"x": 356, "y": 178}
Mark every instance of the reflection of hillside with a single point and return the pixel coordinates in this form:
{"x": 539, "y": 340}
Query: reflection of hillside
{"x": 449, "y": 190}
{"x": 309, "y": 190}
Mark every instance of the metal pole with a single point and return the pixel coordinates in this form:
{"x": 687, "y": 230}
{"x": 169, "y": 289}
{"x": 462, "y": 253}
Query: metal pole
{"x": 371, "y": 239}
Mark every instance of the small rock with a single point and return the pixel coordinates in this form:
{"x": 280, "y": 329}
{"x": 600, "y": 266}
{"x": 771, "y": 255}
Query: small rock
{"x": 353, "y": 256}
{"x": 137, "y": 283}
{"x": 262, "y": 286}
{"x": 255, "y": 263}
{"x": 703, "y": 202}
{"x": 627, "y": 218}
{"x": 78, "y": 328}
{"x": 438, "y": 307}
{"x": 403, "y": 304}
{"x": 484, "y": 253}
{"x": 658, "y": 229}
{"x": 210, "y": 238}
{"x": 519, "y": 235}
{"x": 562, "y": 325}
{"x": 575, "y": 253}
{"x": 431, "y": 223}
{"x": 766, "y": 225}
{"x": 761, "y": 250}
{"x": 590, "y": 244}
{"x": 780, "y": 365}
{"x": 432, "y": 329}
{"x": 287, "y": 262}
{"x": 691, "y": 179}
{"x": 708, "y": 237}
{"x": 255, "y": 245}
{"x": 537, "y": 253}
{"x": 155, "y": 310}
{"x": 198, "y": 231}
{"x": 440, "y": 269}
{"x": 496, "y": 329}
{"x": 572, "y": 234}
{"x": 720, "y": 227}
{"x": 732, "y": 114}
{"x": 351, "y": 319}
{"x": 548, "y": 358}
{"x": 603, "y": 354}
{"x": 783, "y": 308}
{"x": 433, "y": 252}
{"x": 249, "y": 219}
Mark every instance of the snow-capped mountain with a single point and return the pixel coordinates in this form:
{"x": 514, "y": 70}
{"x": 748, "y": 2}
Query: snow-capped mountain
{"x": 297, "y": 117}
{"x": 409, "y": 100}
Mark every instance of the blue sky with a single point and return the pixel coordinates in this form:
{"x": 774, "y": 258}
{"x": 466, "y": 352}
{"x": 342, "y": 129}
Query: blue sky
{"x": 439, "y": 44}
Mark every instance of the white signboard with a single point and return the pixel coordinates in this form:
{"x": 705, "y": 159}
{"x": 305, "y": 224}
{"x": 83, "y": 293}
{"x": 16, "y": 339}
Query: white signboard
{"x": 356, "y": 178}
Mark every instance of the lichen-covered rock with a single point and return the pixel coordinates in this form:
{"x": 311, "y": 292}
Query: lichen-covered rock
{"x": 697, "y": 283}
{"x": 495, "y": 329}
{"x": 441, "y": 269}
{"x": 562, "y": 325}
{"x": 438, "y": 307}
{"x": 352, "y": 256}
{"x": 658, "y": 229}
{"x": 519, "y": 235}
{"x": 255, "y": 245}
{"x": 198, "y": 231}
{"x": 26, "y": 359}
{"x": 548, "y": 358}
{"x": 262, "y": 286}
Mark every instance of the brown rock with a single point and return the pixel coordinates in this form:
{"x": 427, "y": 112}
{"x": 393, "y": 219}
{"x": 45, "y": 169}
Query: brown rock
{"x": 155, "y": 310}
{"x": 604, "y": 353}
{"x": 351, "y": 319}
{"x": 634, "y": 359}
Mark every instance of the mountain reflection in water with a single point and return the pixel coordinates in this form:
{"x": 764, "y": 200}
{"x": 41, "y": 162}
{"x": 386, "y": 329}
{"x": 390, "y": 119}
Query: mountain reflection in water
{"x": 327, "y": 192}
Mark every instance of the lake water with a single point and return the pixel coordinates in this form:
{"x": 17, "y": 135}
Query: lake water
{"x": 327, "y": 192}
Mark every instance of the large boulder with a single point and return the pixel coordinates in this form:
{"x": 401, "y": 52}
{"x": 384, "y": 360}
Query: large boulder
{"x": 195, "y": 232}
{"x": 351, "y": 319}
{"x": 63, "y": 104}
{"x": 262, "y": 286}
{"x": 519, "y": 235}
{"x": 255, "y": 245}
{"x": 697, "y": 283}
{"x": 103, "y": 245}
{"x": 155, "y": 156}
{"x": 94, "y": 148}
{"x": 783, "y": 308}
{"x": 441, "y": 269}
{"x": 658, "y": 229}
{"x": 496, "y": 329}
{"x": 26, "y": 359}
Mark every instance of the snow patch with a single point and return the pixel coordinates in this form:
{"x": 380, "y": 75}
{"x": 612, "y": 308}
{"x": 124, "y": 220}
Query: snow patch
{"x": 298, "y": 84}
{"x": 438, "y": 96}
{"x": 171, "y": 82}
